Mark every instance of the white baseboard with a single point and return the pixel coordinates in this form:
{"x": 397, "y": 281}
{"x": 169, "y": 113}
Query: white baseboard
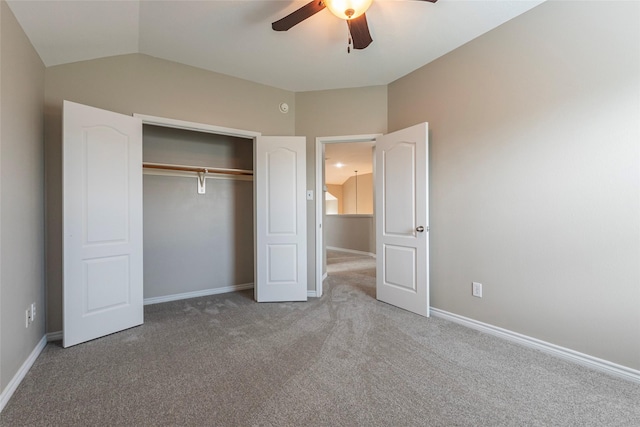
{"x": 555, "y": 350}
{"x": 19, "y": 376}
{"x": 325, "y": 275}
{"x": 351, "y": 251}
{"x": 196, "y": 294}
{"x": 311, "y": 294}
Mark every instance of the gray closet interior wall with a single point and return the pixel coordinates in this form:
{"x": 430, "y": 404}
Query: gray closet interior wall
{"x": 196, "y": 242}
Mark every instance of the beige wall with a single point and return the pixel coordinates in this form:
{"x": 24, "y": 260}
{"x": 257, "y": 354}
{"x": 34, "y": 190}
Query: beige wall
{"x": 535, "y": 175}
{"x": 338, "y": 112}
{"x": 210, "y": 235}
{"x": 141, "y": 84}
{"x": 353, "y": 232}
{"x": 21, "y": 196}
{"x": 336, "y": 190}
{"x": 364, "y": 195}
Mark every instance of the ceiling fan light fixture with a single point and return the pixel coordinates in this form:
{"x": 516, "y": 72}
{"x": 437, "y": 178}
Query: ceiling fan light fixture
{"x": 348, "y": 9}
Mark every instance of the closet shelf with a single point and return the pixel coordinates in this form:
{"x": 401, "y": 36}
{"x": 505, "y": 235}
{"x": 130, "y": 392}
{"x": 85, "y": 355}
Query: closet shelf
{"x": 197, "y": 169}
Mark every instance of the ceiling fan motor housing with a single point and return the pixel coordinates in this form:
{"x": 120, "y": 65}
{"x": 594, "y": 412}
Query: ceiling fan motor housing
{"x": 348, "y": 9}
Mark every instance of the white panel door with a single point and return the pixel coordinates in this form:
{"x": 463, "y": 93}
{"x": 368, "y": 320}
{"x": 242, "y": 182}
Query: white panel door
{"x": 102, "y": 225}
{"x": 280, "y": 219}
{"x": 402, "y": 219}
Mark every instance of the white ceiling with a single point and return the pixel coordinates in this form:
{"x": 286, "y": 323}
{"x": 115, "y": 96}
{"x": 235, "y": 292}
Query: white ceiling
{"x": 235, "y": 37}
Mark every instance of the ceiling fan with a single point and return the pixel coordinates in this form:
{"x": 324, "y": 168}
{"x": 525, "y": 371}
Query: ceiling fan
{"x": 353, "y": 11}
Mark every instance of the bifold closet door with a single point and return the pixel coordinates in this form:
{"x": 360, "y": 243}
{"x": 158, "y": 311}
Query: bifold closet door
{"x": 280, "y": 219}
{"x": 102, "y": 225}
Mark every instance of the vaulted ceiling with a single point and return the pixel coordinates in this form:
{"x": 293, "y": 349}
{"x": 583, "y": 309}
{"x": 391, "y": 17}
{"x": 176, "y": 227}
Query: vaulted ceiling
{"x": 235, "y": 37}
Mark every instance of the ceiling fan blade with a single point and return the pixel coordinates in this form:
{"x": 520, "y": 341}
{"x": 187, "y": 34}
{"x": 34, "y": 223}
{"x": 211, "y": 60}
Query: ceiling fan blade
{"x": 298, "y": 16}
{"x": 359, "y": 32}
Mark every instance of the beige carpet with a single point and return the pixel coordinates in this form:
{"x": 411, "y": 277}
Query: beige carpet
{"x": 342, "y": 360}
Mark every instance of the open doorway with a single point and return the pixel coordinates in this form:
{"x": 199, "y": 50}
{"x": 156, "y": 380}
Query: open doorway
{"x": 348, "y": 178}
{"x": 401, "y": 215}
{"x": 345, "y": 222}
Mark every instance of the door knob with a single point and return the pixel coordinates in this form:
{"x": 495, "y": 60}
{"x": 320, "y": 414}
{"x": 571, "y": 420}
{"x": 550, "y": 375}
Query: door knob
{"x": 420, "y": 229}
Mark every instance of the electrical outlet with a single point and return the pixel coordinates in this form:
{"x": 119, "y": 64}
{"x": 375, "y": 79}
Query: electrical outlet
{"x": 476, "y": 289}
{"x": 33, "y": 311}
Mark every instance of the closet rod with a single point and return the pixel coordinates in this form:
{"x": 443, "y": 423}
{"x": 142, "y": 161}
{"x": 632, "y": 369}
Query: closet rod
{"x": 197, "y": 169}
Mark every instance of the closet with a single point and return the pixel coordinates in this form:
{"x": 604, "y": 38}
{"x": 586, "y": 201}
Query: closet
{"x": 197, "y": 213}
{"x": 159, "y": 209}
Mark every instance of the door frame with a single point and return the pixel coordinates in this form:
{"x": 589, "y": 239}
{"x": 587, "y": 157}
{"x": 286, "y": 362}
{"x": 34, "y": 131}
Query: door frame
{"x": 197, "y": 127}
{"x": 319, "y": 165}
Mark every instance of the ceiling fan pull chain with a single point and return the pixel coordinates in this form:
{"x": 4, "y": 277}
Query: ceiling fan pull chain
{"x": 349, "y": 42}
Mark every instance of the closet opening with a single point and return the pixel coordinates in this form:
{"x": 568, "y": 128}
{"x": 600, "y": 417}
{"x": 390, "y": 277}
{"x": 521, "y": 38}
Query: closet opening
{"x": 198, "y": 197}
